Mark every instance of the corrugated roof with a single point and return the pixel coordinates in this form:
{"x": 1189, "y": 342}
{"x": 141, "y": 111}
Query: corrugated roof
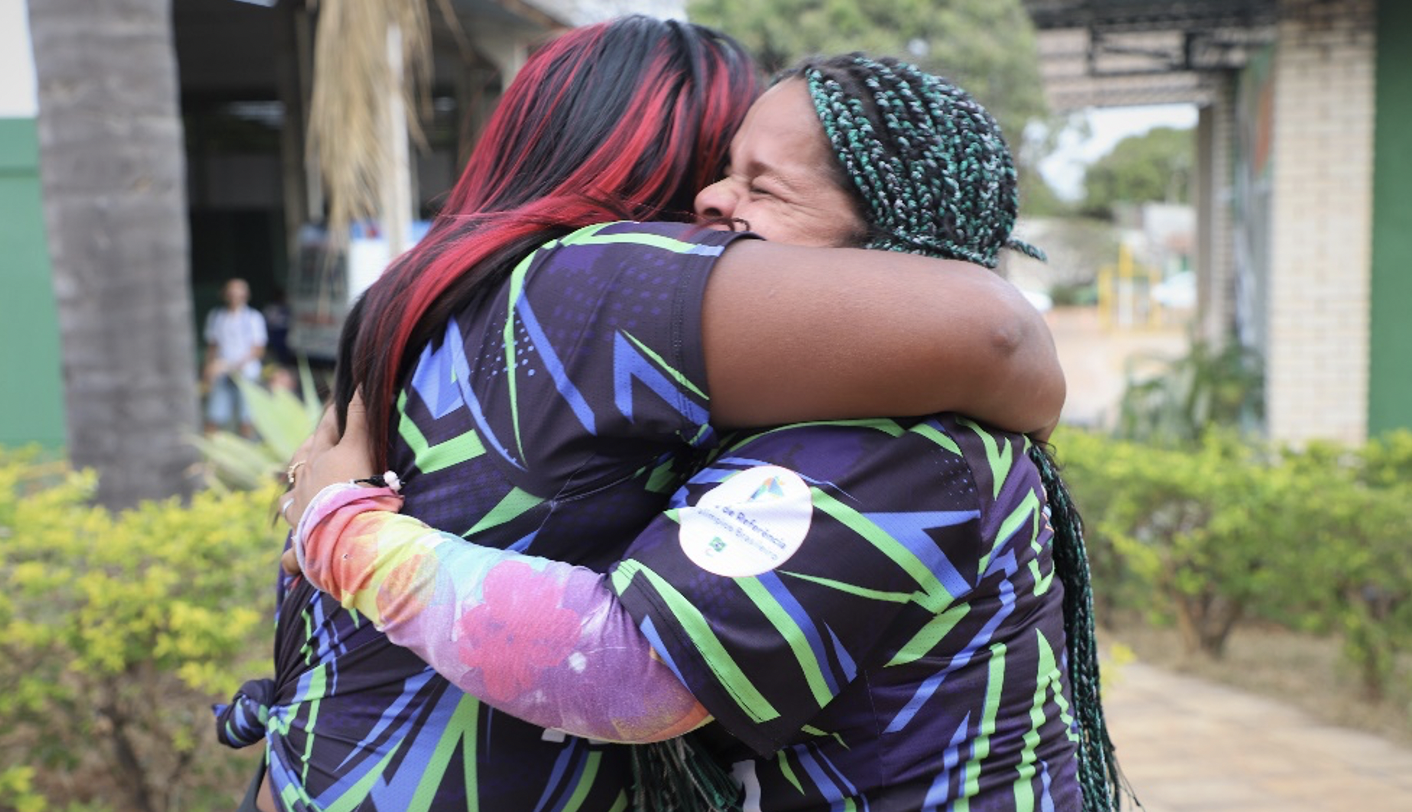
{"x": 1109, "y": 53}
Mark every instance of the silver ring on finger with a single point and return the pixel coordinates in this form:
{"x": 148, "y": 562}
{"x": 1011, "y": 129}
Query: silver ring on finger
{"x": 284, "y": 509}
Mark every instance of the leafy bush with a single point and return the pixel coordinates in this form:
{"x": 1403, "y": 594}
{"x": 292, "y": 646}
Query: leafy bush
{"x": 1211, "y": 533}
{"x": 1074, "y": 294}
{"x": 117, "y": 632}
{"x": 1356, "y": 513}
{"x": 1190, "y": 526}
{"x": 1387, "y": 461}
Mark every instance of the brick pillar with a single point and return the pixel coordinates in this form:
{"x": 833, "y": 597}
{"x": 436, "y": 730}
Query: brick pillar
{"x": 1321, "y": 222}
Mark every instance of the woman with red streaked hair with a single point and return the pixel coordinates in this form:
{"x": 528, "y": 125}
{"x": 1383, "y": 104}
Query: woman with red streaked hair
{"x": 542, "y": 370}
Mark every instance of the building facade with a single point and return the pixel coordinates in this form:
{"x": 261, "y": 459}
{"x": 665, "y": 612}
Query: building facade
{"x": 1304, "y": 183}
{"x": 32, "y": 410}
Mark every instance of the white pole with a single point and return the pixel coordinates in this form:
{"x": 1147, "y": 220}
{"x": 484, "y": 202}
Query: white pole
{"x": 397, "y": 187}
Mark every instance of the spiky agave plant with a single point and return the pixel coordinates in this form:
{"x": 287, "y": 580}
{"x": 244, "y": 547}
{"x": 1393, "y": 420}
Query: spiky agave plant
{"x": 282, "y": 421}
{"x": 1208, "y": 386}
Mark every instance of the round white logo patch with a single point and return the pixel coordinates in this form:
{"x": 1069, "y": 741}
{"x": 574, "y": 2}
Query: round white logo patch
{"x": 749, "y": 524}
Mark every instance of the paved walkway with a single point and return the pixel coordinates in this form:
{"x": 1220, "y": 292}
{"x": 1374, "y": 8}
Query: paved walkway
{"x": 1186, "y": 745}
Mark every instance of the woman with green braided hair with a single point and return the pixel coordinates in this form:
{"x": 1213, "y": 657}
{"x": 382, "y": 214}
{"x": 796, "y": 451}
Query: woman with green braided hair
{"x": 881, "y": 614}
{"x": 925, "y": 170}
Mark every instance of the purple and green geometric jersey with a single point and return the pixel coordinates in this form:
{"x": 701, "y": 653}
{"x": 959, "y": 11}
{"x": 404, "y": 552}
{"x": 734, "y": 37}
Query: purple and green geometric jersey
{"x": 869, "y": 609}
{"x": 868, "y": 606}
{"x": 579, "y": 375}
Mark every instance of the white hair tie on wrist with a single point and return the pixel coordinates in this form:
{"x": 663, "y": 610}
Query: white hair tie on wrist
{"x": 387, "y": 479}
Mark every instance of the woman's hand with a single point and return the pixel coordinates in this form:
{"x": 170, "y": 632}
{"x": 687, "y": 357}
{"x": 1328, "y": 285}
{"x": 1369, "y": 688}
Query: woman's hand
{"x": 326, "y": 458}
{"x": 322, "y": 460}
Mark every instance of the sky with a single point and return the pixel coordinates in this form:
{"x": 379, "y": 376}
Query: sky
{"x": 1108, "y": 125}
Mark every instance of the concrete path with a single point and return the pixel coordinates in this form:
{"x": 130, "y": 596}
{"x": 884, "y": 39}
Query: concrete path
{"x": 1187, "y": 745}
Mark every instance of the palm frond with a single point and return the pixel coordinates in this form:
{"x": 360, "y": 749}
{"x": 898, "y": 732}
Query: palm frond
{"x": 351, "y": 95}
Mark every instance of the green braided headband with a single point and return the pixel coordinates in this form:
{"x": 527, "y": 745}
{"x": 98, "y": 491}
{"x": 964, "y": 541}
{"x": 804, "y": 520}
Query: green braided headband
{"x": 939, "y": 179}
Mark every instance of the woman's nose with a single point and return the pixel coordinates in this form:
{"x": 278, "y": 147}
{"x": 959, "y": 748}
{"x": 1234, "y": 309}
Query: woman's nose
{"x": 716, "y": 201}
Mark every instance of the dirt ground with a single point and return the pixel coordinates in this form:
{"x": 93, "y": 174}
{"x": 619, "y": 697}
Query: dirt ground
{"x": 1303, "y": 670}
{"x": 1097, "y": 356}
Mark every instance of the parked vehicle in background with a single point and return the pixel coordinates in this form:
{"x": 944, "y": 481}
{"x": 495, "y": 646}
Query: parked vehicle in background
{"x": 324, "y": 283}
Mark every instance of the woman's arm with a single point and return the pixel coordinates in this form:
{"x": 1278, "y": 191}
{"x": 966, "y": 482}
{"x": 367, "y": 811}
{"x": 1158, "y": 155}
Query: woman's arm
{"x": 541, "y": 640}
{"x": 797, "y": 334}
{"x": 505, "y": 627}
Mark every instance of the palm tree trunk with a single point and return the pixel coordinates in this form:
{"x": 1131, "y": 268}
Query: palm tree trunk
{"x": 113, "y": 168}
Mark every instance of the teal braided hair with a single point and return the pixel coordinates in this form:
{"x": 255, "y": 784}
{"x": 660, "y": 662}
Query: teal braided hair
{"x": 927, "y": 161}
{"x": 934, "y": 176}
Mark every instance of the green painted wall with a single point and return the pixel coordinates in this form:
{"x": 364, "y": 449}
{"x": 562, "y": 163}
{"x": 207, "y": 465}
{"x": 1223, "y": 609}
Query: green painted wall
{"x": 32, "y": 406}
{"x": 1390, "y": 351}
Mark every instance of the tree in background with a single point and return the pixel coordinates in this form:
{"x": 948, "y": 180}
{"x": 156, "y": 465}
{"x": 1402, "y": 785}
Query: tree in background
{"x": 1149, "y": 168}
{"x": 112, "y": 165}
{"x": 114, "y": 178}
{"x": 362, "y": 98}
{"x": 986, "y": 46}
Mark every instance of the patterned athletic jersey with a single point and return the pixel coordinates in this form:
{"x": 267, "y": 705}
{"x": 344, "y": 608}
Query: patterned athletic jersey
{"x": 580, "y": 375}
{"x": 869, "y": 609}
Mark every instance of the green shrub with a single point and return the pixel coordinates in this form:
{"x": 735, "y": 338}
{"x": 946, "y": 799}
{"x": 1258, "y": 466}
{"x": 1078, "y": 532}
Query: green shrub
{"x": 1096, "y": 468}
{"x": 1387, "y": 461}
{"x": 1189, "y": 527}
{"x": 1208, "y": 534}
{"x": 1074, "y": 294}
{"x": 1361, "y": 522}
{"x": 117, "y": 632}
{"x": 1208, "y": 386}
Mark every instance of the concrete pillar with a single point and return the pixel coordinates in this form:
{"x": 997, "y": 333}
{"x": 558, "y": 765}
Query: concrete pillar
{"x": 1215, "y": 261}
{"x": 294, "y": 58}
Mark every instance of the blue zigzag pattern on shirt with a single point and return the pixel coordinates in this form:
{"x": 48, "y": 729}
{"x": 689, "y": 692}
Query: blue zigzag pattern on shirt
{"x": 629, "y": 364}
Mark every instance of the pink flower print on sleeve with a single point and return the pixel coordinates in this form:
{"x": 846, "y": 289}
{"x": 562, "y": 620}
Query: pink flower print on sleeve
{"x": 495, "y": 635}
{"x": 503, "y": 626}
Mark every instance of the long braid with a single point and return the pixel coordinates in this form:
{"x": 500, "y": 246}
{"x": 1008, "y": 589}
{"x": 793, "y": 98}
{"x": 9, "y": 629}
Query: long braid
{"x": 940, "y": 181}
{"x": 681, "y": 775}
{"x": 1098, "y": 765}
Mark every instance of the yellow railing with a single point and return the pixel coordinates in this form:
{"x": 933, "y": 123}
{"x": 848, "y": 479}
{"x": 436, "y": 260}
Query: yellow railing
{"x": 1125, "y": 294}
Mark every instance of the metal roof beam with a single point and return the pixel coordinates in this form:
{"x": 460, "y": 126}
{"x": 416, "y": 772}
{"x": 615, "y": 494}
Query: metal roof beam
{"x": 1147, "y": 15}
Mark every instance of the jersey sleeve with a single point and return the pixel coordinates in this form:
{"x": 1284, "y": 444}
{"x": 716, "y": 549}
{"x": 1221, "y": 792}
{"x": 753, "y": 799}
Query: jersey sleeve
{"x": 775, "y": 576}
{"x": 587, "y": 364}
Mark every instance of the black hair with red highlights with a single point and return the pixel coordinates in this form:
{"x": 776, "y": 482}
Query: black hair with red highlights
{"x": 620, "y": 120}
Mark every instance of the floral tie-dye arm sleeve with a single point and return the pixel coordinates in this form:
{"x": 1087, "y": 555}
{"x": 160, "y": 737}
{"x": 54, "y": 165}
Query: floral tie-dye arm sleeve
{"x": 541, "y": 640}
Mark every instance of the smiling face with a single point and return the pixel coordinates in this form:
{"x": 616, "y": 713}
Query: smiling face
{"x": 783, "y": 178}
